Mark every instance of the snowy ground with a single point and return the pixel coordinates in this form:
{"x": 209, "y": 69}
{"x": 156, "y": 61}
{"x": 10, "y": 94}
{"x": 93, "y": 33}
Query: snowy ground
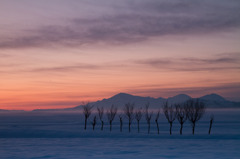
{"x": 61, "y": 135}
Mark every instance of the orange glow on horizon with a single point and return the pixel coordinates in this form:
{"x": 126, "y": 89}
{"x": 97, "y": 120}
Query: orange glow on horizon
{"x": 64, "y": 56}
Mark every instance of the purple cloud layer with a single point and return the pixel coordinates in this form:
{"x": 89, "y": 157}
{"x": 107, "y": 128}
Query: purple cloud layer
{"x": 227, "y": 61}
{"x": 134, "y": 22}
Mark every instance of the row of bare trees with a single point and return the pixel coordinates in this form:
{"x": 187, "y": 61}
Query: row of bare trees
{"x": 192, "y": 110}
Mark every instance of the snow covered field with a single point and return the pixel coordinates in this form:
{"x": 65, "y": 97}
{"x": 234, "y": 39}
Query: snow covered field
{"x": 61, "y": 135}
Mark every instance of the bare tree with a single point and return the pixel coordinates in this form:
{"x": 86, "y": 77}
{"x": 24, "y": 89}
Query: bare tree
{"x": 121, "y": 122}
{"x": 111, "y": 115}
{"x": 170, "y": 114}
{"x": 195, "y": 110}
{"x": 94, "y": 122}
{"x": 148, "y": 116}
{"x": 156, "y": 120}
{"x": 138, "y": 116}
{"x": 100, "y": 114}
{"x": 182, "y": 115}
{"x": 128, "y": 110}
{"x": 87, "y": 110}
{"x": 210, "y": 126}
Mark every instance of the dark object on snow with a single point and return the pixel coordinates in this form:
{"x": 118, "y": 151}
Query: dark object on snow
{"x": 111, "y": 115}
{"x": 87, "y": 110}
{"x": 138, "y": 117}
{"x": 121, "y": 122}
{"x": 100, "y": 114}
{"x": 156, "y": 120}
{"x": 210, "y": 126}
{"x": 181, "y": 113}
{"x": 148, "y": 116}
{"x": 128, "y": 110}
{"x": 170, "y": 114}
{"x": 195, "y": 110}
{"x": 94, "y": 122}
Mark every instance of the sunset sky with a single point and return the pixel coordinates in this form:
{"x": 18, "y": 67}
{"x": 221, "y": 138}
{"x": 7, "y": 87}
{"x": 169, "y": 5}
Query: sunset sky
{"x": 58, "y": 53}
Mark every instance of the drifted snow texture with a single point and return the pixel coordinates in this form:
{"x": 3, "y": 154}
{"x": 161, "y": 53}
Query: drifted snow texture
{"x": 61, "y": 135}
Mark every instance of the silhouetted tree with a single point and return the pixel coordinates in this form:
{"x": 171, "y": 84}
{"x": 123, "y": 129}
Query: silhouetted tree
{"x": 156, "y": 120}
{"x": 111, "y": 115}
{"x": 148, "y": 116}
{"x": 128, "y": 110}
{"x": 121, "y": 122}
{"x": 87, "y": 110}
{"x": 195, "y": 110}
{"x": 210, "y": 126}
{"x": 94, "y": 122}
{"x": 100, "y": 114}
{"x": 138, "y": 116}
{"x": 170, "y": 114}
{"x": 182, "y": 115}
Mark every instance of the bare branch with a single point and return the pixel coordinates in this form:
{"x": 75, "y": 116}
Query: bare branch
{"x": 156, "y": 120}
{"x": 148, "y": 116}
{"x": 195, "y": 110}
{"x": 181, "y": 113}
{"x": 170, "y": 114}
{"x": 111, "y": 115}
{"x": 128, "y": 110}
{"x": 138, "y": 116}
{"x": 87, "y": 110}
{"x": 100, "y": 114}
{"x": 157, "y": 115}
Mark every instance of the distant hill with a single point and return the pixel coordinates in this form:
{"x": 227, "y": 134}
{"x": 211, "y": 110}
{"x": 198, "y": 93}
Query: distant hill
{"x": 5, "y": 110}
{"x": 178, "y": 98}
{"x": 216, "y": 101}
{"x": 213, "y": 97}
{"x": 119, "y": 100}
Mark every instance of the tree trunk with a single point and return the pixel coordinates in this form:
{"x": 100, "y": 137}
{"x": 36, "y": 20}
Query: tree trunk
{"x": 157, "y": 126}
{"x": 102, "y": 125}
{"x": 120, "y": 126}
{"x": 210, "y": 127}
{"x": 110, "y": 125}
{"x": 181, "y": 128}
{"x": 148, "y": 127}
{"x": 193, "y": 128}
{"x": 85, "y": 127}
{"x": 170, "y": 128}
{"x": 129, "y": 127}
{"x": 138, "y": 126}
